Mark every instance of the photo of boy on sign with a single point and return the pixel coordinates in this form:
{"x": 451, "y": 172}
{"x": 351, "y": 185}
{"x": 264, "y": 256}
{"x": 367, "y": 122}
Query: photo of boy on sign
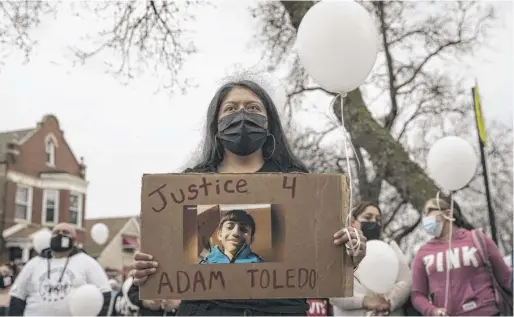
{"x": 236, "y": 232}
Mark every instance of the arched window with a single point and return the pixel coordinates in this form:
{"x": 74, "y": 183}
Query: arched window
{"x": 50, "y": 151}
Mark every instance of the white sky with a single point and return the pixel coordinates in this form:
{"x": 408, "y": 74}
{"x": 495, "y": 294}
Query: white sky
{"x": 124, "y": 131}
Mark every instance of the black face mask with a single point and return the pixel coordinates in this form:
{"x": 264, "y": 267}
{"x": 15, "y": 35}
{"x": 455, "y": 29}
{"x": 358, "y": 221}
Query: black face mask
{"x": 242, "y": 133}
{"x": 60, "y": 243}
{"x": 371, "y": 230}
{"x": 5, "y": 281}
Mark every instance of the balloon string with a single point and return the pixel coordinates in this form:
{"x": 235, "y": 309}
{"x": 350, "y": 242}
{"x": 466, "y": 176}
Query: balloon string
{"x": 448, "y": 252}
{"x": 336, "y": 121}
{"x": 354, "y": 247}
{"x": 346, "y": 150}
{"x": 448, "y": 268}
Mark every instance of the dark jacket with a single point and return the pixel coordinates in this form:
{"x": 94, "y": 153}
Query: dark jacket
{"x": 116, "y": 299}
{"x": 247, "y": 307}
{"x": 17, "y": 305}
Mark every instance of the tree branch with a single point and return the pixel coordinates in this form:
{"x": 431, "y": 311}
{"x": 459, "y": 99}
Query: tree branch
{"x": 389, "y": 120}
{"x": 406, "y": 231}
{"x": 144, "y": 33}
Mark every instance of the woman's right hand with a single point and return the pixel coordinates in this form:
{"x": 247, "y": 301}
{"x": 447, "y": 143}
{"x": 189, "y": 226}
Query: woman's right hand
{"x": 143, "y": 266}
{"x": 377, "y": 303}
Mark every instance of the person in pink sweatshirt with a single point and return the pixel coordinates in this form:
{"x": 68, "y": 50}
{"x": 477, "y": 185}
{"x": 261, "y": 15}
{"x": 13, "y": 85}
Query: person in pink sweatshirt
{"x": 470, "y": 291}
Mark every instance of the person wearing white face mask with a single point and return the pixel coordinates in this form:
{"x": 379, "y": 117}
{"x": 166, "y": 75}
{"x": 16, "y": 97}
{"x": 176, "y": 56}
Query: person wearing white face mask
{"x": 456, "y": 282}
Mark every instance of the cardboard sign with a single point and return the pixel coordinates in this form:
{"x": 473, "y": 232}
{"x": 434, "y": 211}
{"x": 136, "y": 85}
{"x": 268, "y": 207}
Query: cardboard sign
{"x": 292, "y": 218}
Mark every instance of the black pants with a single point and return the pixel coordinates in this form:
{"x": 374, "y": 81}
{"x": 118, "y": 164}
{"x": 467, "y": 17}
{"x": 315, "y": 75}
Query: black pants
{"x": 212, "y": 309}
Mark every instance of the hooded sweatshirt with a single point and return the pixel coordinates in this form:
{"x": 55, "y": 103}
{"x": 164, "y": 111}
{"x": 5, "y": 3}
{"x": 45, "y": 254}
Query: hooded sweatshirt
{"x": 244, "y": 255}
{"x": 471, "y": 290}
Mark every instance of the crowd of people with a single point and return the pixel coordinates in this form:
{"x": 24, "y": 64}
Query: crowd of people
{"x": 244, "y": 135}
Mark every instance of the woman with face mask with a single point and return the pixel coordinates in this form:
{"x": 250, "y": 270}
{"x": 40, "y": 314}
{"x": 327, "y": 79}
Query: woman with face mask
{"x": 466, "y": 289}
{"x": 244, "y": 135}
{"x": 368, "y": 217}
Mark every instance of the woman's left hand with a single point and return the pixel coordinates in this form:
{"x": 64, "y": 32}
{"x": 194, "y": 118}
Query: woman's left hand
{"x": 170, "y": 304}
{"x": 341, "y": 237}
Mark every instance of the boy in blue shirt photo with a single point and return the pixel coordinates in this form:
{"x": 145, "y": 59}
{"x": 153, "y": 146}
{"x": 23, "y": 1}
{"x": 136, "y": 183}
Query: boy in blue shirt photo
{"x": 236, "y": 232}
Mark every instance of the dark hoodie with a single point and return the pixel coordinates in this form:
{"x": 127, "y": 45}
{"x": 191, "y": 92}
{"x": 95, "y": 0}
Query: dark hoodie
{"x": 247, "y": 307}
{"x": 17, "y": 305}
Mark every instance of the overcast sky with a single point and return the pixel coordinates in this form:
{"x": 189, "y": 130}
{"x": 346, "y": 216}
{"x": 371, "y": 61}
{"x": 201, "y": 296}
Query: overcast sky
{"x": 124, "y": 131}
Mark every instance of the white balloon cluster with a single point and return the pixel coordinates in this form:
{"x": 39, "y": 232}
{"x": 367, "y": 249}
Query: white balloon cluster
{"x": 452, "y": 162}
{"x": 100, "y": 233}
{"x": 86, "y": 300}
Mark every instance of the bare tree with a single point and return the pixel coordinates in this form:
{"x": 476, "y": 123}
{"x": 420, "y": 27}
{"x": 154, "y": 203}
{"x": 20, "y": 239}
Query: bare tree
{"x": 423, "y": 100}
{"x": 144, "y": 34}
{"x": 17, "y": 20}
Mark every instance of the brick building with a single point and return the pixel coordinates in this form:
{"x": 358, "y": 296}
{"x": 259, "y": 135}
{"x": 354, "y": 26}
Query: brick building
{"x": 41, "y": 184}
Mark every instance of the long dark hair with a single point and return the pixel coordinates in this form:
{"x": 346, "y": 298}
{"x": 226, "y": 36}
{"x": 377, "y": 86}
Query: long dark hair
{"x": 280, "y": 153}
{"x": 359, "y": 209}
{"x": 443, "y": 202}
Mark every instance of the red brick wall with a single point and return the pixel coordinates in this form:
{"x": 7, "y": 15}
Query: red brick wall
{"x": 31, "y": 160}
{"x": 37, "y": 207}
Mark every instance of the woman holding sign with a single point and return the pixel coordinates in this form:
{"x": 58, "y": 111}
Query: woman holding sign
{"x": 244, "y": 135}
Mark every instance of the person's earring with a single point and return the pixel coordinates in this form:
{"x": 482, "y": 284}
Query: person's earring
{"x": 216, "y": 146}
{"x": 273, "y": 150}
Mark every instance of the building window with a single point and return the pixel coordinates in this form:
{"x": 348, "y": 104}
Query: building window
{"x": 50, "y": 152}
{"x": 23, "y": 203}
{"x": 75, "y": 209}
{"x": 130, "y": 243}
{"x": 50, "y": 206}
{"x": 15, "y": 253}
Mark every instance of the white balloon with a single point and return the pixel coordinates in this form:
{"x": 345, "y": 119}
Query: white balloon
{"x": 86, "y": 300}
{"x": 100, "y": 233}
{"x": 452, "y": 162}
{"x": 41, "y": 240}
{"x": 378, "y": 255}
{"x": 337, "y": 43}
